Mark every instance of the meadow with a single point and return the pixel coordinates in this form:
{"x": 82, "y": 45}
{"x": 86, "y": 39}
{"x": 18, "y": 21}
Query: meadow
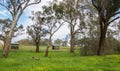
{"x": 58, "y": 60}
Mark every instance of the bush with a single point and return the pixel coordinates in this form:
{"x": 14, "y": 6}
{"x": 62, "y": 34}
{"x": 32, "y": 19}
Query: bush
{"x": 90, "y": 46}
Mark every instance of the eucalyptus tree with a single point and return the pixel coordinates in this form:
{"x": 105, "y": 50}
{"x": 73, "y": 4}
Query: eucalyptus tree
{"x": 65, "y": 40}
{"x": 53, "y": 21}
{"x": 58, "y": 42}
{"x": 74, "y": 14}
{"x": 16, "y": 9}
{"x": 36, "y": 30}
{"x": 5, "y": 28}
{"x": 108, "y": 11}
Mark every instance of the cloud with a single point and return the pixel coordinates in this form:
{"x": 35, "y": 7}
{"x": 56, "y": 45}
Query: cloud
{"x": 4, "y": 13}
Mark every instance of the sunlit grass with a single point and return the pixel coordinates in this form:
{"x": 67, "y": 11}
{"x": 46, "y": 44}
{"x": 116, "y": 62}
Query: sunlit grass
{"x": 21, "y": 60}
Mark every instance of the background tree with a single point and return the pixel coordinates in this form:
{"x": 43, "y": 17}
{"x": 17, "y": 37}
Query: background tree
{"x": 58, "y": 42}
{"x": 65, "y": 40}
{"x": 53, "y": 21}
{"x": 16, "y": 8}
{"x": 36, "y": 31}
{"x": 73, "y": 14}
{"x": 25, "y": 42}
{"x": 108, "y": 11}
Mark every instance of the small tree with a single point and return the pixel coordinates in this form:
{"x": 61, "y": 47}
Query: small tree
{"x": 73, "y": 14}
{"x": 53, "y": 21}
{"x": 58, "y": 42}
{"x": 36, "y": 31}
{"x": 15, "y": 8}
{"x": 65, "y": 40}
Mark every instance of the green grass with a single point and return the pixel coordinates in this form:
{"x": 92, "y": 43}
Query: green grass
{"x": 21, "y": 60}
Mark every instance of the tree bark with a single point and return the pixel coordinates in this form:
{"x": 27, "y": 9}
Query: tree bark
{"x": 47, "y": 50}
{"x": 37, "y": 47}
{"x": 48, "y": 46}
{"x": 8, "y": 40}
{"x": 37, "y": 42}
{"x": 103, "y": 30}
{"x": 71, "y": 38}
{"x": 72, "y": 43}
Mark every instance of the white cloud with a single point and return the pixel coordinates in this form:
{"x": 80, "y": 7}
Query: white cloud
{"x": 4, "y": 12}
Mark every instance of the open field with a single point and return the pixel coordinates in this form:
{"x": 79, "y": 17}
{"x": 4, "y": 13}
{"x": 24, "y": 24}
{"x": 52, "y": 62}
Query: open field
{"x": 22, "y": 60}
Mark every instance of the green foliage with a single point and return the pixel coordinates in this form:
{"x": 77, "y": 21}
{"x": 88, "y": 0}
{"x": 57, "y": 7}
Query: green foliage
{"x": 5, "y": 25}
{"x": 58, "y": 42}
{"x": 25, "y": 42}
{"x": 58, "y": 61}
{"x": 36, "y": 30}
{"x": 58, "y": 10}
{"x": 90, "y": 46}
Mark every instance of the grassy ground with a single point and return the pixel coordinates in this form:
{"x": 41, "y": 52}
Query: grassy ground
{"x": 21, "y": 60}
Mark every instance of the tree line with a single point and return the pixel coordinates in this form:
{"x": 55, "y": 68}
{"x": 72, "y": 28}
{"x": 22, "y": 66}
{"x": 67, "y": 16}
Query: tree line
{"x": 88, "y": 21}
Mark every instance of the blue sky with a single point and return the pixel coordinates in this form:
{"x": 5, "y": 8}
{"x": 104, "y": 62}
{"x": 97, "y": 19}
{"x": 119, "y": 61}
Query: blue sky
{"x": 25, "y": 21}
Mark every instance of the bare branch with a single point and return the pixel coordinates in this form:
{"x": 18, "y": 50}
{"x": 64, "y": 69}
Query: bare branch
{"x": 77, "y": 31}
{"x": 58, "y": 27}
{"x": 14, "y": 8}
{"x": 113, "y": 20}
{"x": 20, "y": 6}
{"x": 115, "y": 13}
{"x": 7, "y": 8}
{"x": 34, "y": 3}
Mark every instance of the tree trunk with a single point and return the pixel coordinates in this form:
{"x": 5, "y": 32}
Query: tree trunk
{"x": 103, "y": 30}
{"x": 47, "y": 50}
{"x": 37, "y": 47}
{"x": 8, "y": 40}
{"x": 48, "y": 46}
{"x": 72, "y": 44}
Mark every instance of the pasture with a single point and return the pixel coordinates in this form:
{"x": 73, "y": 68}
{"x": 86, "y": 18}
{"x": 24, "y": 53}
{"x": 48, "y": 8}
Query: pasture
{"x": 58, "y": 60}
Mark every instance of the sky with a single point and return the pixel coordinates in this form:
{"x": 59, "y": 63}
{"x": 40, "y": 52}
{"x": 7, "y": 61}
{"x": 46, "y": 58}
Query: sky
{"x": 25, "y": 21}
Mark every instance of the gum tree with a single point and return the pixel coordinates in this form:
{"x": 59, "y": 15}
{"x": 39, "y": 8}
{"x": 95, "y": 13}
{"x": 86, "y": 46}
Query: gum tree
{"x": 16, "y": 9}
{"x": 36, "y": 30}
{"x": 5, "y": 28}
{"x": 73, "y": 14}
{"x": 108, "y": 11}
{"x": 53, "y": 21}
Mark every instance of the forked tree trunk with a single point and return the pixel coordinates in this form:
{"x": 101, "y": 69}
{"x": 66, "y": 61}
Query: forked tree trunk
{"x": 8, "y": 40}
{"x": 103, "y": 30}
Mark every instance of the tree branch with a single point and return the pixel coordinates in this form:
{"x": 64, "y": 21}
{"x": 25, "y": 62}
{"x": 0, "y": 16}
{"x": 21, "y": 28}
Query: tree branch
{"x": 113, "y": 20}
{"x": 34, "y": 3}
{"x": 115, "y": 13}
{"x": 58, "y": 27}
{"x": 7, "y": 8}
{"x": 94, "y": 4}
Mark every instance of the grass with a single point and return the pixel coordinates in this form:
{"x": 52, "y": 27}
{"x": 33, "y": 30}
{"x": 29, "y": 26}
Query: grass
{"x": 21, "y": 60}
